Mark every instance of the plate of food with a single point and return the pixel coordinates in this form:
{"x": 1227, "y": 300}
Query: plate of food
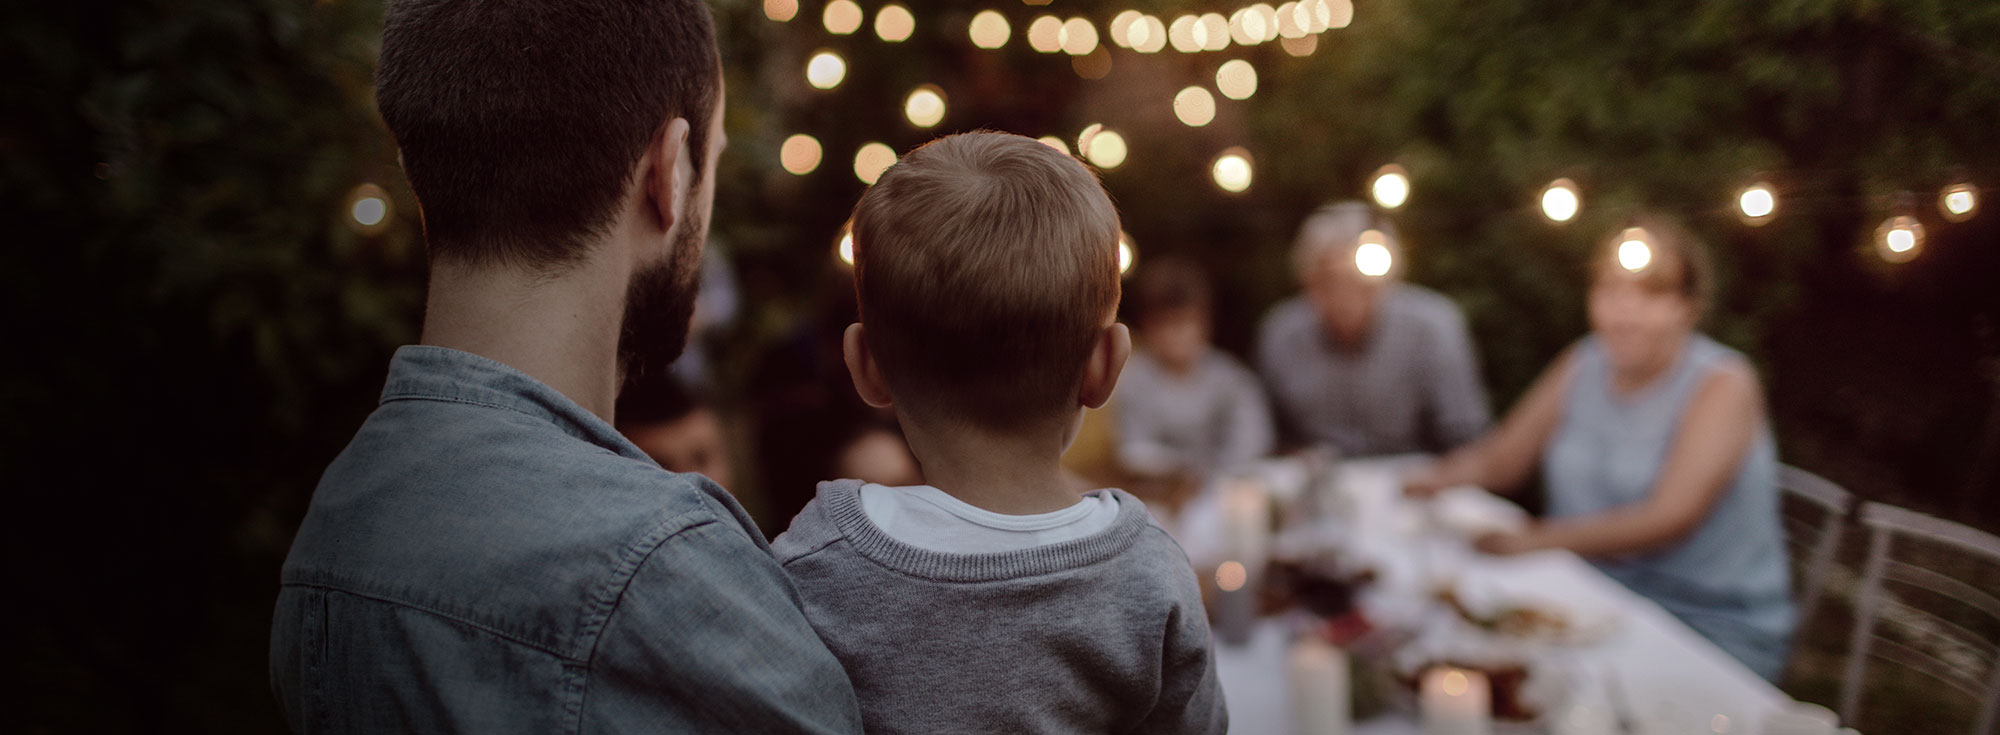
{"x": 1529, "y": 618}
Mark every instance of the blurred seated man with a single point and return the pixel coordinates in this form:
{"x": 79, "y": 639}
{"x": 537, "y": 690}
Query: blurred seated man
{"x": 1186, "y": 410}
{"x": 1367, "y": 364}
{"x": 674, "y": 427}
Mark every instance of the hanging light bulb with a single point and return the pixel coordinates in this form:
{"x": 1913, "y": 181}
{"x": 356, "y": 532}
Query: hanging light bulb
{"x": 842, "y": 17}
{"x": 1127, "y": 256}
{"x": 1900, "y": 239}
{"x": 1758, "y": 202}
{"x": 369, "y": 210}
{"x": 1390, "y": 187}
{"x": 1959, "y": 202}
{"x": 1148, "y": 35}
{"x": 1182, "y": 34}
{"x": 781, "y": 10}
{"x": 1214, "y": 32}
{"x": 1340, "y": 13}
{"x": 872, "y": 160}
{"x": 1300, "y": 47}
{"x": 845, "y": 249}
{"x": 1236, "y": 79}
{"x": 1106, "y": 150}
{"x": 1233, "y": 171}
{"x": 1045, "y": 34}
{"x": 1560, "y": 201}
{"x": 826, "y": 70}
{"x": 1077, "y": 37}
{"x": 1371, "y": 254}
{"x": 1120, "y": 28}
{"x": 1635, "y": 249}
{"x": 989, "y": 29}
{"x": 1054, "y": 142}
{"x": 894, "y": 23}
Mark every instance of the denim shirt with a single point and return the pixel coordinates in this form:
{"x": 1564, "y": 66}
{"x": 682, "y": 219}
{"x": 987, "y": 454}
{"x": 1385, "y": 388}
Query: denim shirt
{"x": 487, "y": 556}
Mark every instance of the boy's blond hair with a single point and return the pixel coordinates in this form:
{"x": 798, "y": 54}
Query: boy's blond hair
{"x": 985, "y": 266}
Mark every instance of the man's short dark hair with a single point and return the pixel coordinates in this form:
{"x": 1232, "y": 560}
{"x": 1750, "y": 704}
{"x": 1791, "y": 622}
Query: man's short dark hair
{"x": 520, "y": 120}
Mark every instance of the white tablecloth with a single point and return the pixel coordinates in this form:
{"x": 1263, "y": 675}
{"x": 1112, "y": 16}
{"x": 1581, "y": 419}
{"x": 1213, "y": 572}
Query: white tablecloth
{"x": 1668, "y": 672}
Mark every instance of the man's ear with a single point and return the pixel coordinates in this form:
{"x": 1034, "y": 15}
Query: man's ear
{"x": 862, "y": 368}
{"x": 671, "y": 173}
{"x": 1107, "y": 361}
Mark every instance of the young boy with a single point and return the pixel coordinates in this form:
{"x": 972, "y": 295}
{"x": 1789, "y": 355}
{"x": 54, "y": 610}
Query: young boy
{"x": 1184, "y": 408}
{"x": 994, "y": 599}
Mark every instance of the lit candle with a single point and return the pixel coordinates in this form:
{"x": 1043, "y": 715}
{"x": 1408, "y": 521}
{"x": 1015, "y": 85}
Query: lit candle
{"x": 1456, "y": 702}
{"x": 1246, "y": 521}
{"x": 1320, "y": 692}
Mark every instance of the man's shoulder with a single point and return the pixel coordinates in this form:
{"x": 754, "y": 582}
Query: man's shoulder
{"x": 1287, "y": 318}
{"x": 1425, "y": 306}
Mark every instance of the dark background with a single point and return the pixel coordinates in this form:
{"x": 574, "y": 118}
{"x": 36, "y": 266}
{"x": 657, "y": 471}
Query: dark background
{"x": 194, "y": 330}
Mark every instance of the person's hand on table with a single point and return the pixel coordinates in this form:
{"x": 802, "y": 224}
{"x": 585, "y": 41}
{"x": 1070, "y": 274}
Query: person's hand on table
{"x": 1504, "y": 543}
{"x": 1425, "y": 482}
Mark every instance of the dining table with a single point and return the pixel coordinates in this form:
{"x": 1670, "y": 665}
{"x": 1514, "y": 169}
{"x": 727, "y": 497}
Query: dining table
{"x": 1639, "y": 670}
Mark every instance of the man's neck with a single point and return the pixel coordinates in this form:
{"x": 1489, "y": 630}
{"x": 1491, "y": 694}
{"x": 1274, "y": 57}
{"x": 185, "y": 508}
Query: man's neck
{"x": 1013, "y": 473}
{"x": 562, "y": 331}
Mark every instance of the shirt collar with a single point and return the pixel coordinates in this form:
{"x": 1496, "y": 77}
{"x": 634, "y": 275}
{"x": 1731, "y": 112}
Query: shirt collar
{"x": 429, "y": 373}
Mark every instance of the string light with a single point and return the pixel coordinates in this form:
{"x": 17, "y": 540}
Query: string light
{"x": 989, "y": 29}
{"x": 1290, "y": 23}
{"x": 1239, "y": 29}
{"x": 1300, "y": 46}
{"x": 1232, "y": 170}
{"x": 781, "y": 10}
{"x": 1900, "y": 239}
{"x": 1121, "y": 27}
{"x": 1106, "y": 149}
{"x": 1757, "y": 202}
{"x": 845, "y": 250}
{"x": 1236, "y": 79}
{"x": 1318, "y": 15}
{"x": 800, "y": 154}
{"x": 1045, "y": 34}
{"x": 1126, "y": 255}
{"x": 1270, "y": 17}
{"x": 894, "y": 23}
{"x": 925, "y": 106}
{"x": 842, "y": 17}
{"x": 1371, "y": 254}
{"x": 1959, "y": 202}
{"x": 1149, "y": 35}
{"x": 1182, "y": 34}
{"x": 1390, "y": 187}
{"x": 826, "y": 70}
{"x": 1077, "y": 37}
{"x": 1084, "y": 138}
{"x": 369, "y": 210}
{"x": 1635, "y": 250}
{"x": 872, "y": 160}
{"x": 1560, "y": 201}
{"x": 1195, "y": 107}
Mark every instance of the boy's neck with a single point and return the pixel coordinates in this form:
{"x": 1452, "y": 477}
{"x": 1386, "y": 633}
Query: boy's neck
{"x": 1011, "y": 473}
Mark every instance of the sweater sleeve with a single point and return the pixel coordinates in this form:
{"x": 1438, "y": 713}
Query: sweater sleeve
{"x": 1190, "y": 696}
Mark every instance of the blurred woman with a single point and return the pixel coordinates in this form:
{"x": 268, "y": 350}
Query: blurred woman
{"x": 1656, "y": 452}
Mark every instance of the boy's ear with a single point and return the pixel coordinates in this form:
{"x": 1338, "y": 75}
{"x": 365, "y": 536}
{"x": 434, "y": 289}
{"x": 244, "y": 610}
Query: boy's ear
{"x": 861, "y": 367}
{"x": 1107, "y": 360}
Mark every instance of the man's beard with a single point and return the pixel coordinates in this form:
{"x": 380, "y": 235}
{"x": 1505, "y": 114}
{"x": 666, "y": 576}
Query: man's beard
{"x": 659, "y": 307}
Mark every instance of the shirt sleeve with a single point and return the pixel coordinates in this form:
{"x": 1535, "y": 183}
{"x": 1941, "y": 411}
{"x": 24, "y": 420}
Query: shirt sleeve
{"x": 709, "y": 636}
{"x": 1459, "y": 409}
{"x": 1190, "y": 696}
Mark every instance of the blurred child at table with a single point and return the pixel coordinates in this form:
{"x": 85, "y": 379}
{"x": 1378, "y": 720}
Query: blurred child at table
{"x": 1186, "y": 409}
{"x": 995, "y": 599}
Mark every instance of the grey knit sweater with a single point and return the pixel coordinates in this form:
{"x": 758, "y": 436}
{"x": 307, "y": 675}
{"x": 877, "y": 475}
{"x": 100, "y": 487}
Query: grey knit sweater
{"x": 1104, "y": 634}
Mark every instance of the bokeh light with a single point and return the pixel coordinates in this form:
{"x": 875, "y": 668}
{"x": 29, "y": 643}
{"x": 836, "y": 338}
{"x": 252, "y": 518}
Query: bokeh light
{"x": 1089, "y": 133}
{"x": 872, "y": 160}
{"x": 1560, "y": 201}
{"x": 1900, "y": 239}
{"x": 1106, "y": 149}
{"x": 1240, "y": 31}
{"x": 989, "y": 29}
{"x": 1959, "y": 202}
{"x": 1214, "y": 32}
{"x": 369, "y": 210}
{"x": 1120, "y": 28}
{"x": 894, "y": 23}
{"x": 1149, "y": 35}
{"x": 842, "y": 17}
{"x": 1635, "y": 249}
{"x": 925, "y": 106}
{"x": 1236, "y": 79}
{"x": 1304, "y": 46}
{"x": 800, "y": 154}
{"x": 1232, "y": 170}
{"x": 1340, "y": 13}
{"x": 1182, "y": 35}
{"x": 1455, "y": 683}
{"x": 1270, "y": 19}
{"x": 1054, "y": 142}
{"x": 1372, "y": 256}
{"x": 1045, "y": 34}
{"x": 1195, "y": 107}
{"x": 1390, "y": 187}
{"x": 826, "y": 70}
{"x": 845, "y": 250}
{"x": 781, "y": 10}
{"x": 1126, "y": 255}
{"x": 1231, "y": 576}
{"x": 1077, "y": 37}
{"x": 1757, "y": 202}
{"x": 1093, "y": 65}
{"x": 1289, "y": 21}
